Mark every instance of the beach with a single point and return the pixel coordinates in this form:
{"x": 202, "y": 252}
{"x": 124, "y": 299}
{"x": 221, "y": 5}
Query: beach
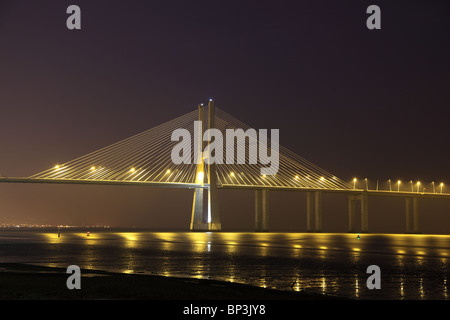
{"x": 31, "y": 282}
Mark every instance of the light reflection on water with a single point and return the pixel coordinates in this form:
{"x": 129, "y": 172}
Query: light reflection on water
{"x": 412, "y": 266}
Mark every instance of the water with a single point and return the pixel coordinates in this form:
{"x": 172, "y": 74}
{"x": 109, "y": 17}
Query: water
{"x": 412, "y": 266}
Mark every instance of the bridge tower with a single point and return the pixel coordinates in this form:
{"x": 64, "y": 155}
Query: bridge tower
{"x": 200, "y": 221}
{"x": 213, "y": 218}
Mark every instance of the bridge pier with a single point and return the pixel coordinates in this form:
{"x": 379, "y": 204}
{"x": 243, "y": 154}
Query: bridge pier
{"x": 314, "y": 211}
{"x": 262, "y": 210}
{"x": 197, "y": 220}
{"x": 318, "y": 210}
{"x": 310, "y": 211}
{"x": 352, "y": 199}
{"x": 412, "y": 215}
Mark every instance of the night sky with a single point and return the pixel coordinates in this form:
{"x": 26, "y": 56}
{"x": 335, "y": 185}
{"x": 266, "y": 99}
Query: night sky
{"x": 359, "y": 103}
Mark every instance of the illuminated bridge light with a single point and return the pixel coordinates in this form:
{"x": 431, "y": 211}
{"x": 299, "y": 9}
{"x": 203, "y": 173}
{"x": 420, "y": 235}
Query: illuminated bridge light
{"x": 232, "y": 174}
{"x": 57, "y": 166}
{"x": 93, "y": 168}
{"x": 168, "y": 171}
{"x": 132, "y": 170}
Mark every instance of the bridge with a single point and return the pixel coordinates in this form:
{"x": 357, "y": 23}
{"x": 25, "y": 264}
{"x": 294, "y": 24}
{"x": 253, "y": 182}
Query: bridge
{"x": 146, "y": 160}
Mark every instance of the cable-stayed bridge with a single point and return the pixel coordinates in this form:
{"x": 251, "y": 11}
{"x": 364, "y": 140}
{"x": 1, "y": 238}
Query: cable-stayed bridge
{"x": 146, "y": 159}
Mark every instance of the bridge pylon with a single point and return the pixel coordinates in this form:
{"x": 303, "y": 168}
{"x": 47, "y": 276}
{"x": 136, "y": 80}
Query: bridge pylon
{"x": 198, "y": 221}
{"x": 211, "y": 220}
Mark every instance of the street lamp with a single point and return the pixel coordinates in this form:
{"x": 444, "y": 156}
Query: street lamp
{"x": 418, "y": 185}
{"x": 390, "y": 185}
{"x": 367, "y": 184}
{"x": 354, "y": 184}
{"x": 398, "y": 185}
{"x": 442, "y": 186}
{"x": 434, "y": 189}
{"x": 412, "y": 190}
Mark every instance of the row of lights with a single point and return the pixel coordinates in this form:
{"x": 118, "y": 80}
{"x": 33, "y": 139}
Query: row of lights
{"x": 200, "y": 176}
{"x": 232, "y": 174}
{"x": 296, "y": 177}
{"x": 399, "y": 183}
{"x": 93, "y": 168}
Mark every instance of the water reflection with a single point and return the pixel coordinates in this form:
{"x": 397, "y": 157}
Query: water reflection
{"x": 412, "y": 266}
{"x": 356, "y": 288}
{"x": 445, "y": 289}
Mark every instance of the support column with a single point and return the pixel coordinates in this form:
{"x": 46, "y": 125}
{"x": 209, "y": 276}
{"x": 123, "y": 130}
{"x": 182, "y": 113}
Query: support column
{"x": 318, "y": 210}
{"x": 416, "y": 214}
{"x": 409, "y": 215}
{"x": 213, "y": 201}
{"x": 258, "y": 210}
{"x": 309, "y": 211}
{"x": 364, "y": 212}
{"x": 412, "y": 215}
{"x": 265, "y": 210}
{"x": 364, "y": 201}
{"x": 351, "y": 214}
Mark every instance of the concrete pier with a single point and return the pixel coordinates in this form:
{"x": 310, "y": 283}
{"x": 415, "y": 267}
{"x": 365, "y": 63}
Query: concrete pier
{"x": 363, "y": 198}
{"x": 318, "y": 211}
{"x": 310, "y": 211}
{"x": 262, "y": 210}
{"x": 412, "y": 215}
{"x": 314, "y": 211}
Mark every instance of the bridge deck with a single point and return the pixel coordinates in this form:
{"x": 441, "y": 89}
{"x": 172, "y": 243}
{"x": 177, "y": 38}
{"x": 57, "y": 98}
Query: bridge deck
{"x": 102, "y": 182}
{"x": 228, "y": 186}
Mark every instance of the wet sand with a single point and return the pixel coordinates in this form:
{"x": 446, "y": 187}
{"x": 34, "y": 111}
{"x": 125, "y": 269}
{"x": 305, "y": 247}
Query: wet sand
{"x": 29, "y": 282}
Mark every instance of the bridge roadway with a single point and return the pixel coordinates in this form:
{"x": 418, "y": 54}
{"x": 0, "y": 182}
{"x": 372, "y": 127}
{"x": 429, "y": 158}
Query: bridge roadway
{"x": 225, "y": 186}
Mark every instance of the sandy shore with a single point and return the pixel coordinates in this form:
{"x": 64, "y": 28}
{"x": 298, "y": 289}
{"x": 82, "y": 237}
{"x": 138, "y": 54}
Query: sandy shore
{"x": 29, "y": 282}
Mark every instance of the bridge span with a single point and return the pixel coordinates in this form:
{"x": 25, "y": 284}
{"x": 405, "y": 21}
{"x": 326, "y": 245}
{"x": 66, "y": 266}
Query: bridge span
{"x": 145, "y": 160}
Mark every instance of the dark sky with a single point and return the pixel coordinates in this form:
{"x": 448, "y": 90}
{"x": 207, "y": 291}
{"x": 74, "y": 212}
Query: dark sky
{"x": 356, "y": 102}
